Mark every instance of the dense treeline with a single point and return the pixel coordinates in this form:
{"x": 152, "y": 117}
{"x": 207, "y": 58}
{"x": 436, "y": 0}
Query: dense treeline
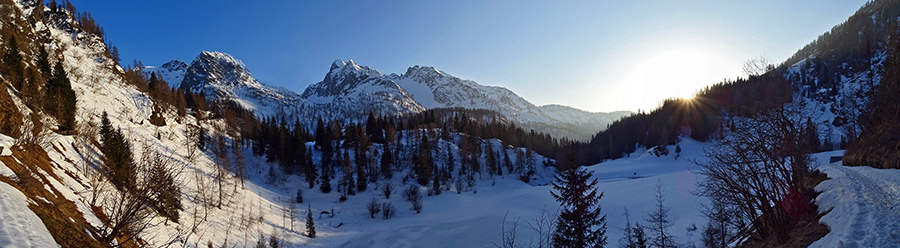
{"x": 697, "y": 118}
{"x": 879, "y": 143}
{"x": 433, "y": 147}
{"x": 849, "y": 46}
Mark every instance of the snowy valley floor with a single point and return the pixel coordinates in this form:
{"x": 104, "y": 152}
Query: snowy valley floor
{"x": 474, "y": 219}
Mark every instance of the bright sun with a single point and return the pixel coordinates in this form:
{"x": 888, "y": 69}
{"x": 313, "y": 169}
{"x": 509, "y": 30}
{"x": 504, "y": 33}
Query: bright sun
{"x": 675, "y": 73}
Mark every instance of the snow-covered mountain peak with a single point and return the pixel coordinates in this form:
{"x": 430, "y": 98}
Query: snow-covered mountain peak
{"x": 337, "y": 64}
{"x": 341, "y": 69}
{"x": 172, "y": 72}
{"x": 342, "y": 77}
{"x": 217, "y": 68}
{"x": 425, "y": 74}
{"x": 175, "y": 65}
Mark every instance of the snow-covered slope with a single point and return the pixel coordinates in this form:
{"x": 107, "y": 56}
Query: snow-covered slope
{"x": 20, "y": 226}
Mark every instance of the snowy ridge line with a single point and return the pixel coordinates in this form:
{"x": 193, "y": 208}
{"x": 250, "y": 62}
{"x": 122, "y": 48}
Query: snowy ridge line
{"x": 350, "y": 91}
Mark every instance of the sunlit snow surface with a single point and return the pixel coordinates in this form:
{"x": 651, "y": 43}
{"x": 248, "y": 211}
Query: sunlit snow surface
{"x": 19, "y": 226}
{"x": 474, "y": 220}
{"x": 864, "y": 205}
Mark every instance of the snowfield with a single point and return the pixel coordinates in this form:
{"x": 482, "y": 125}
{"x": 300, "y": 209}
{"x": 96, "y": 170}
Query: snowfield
{"x": 864, "y": 205}
{"x": 19, "y": 226}
{"x": 474, "y": 220}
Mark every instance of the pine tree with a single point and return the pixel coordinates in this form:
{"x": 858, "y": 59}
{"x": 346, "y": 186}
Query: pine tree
{"x": 153, "y": 84}
{"x": 424, "y": 165}
{"x": 811, "y": 134}
{"x": 310, "y": 167}
{"x": 491, "y": 160}
{"x": 386, "y": 163}
{"x": 61, "y": 98}
{"x": 118, "y": 162}
{"x": 168, "y": 200}
{"x": 13, "y": 63}
{"x": 325, "y": 178}
{"x": 506, "y": 161}
{"x": 43, "y": 62}
{"x": 362, "y": 180}
{"x": 310, "y": 225}
{"x": 580, "y": 223}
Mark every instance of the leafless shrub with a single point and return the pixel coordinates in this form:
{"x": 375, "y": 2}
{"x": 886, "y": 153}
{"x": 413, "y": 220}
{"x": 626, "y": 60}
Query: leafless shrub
{"x": 412, "y": 195}
{"x": 387, "y": 210}
{"x": 373, "y": 207}
{"x": 387, "y": 188}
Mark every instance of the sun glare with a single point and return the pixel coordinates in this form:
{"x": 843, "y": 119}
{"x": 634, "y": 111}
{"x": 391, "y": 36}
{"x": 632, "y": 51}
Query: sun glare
{"x": 676, "y": 73}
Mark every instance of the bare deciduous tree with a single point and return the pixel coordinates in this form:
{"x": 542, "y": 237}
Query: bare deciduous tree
{"x": 758, "y": 66}
{"x": 756, "y": 169}
{"x": 130, "y": 212}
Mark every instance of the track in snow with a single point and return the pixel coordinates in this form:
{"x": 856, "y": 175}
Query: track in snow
{"x": 864, "y": 204}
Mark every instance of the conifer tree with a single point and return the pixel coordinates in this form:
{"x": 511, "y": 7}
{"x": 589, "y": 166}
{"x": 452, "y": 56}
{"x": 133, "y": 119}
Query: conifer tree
{"x": 386, "y": 163}
{"x": 362, "y": 180}
{"x": 347, "y": 181}
{"x": 580, "y": 223}
{"x": 325, "y": 187}
{"x": 61, "y": 98}
{"x": 310, "y": 225}
{"x": 167, "y": 201}
{"x": 118, "y": 162}
{"x": 310, "y": 167}
{"x": 492, "y": 160}
{"x": 152, "y": 85}
{"x": 43, "y": 62}
{"x": 424, "y": 164}
{"x": 13, "y": 63}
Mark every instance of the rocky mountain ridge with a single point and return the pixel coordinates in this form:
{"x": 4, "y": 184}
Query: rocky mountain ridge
{"x": 350, "y": 91}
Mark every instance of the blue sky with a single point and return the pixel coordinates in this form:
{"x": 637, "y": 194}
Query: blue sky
{"x": 593, "y": 55}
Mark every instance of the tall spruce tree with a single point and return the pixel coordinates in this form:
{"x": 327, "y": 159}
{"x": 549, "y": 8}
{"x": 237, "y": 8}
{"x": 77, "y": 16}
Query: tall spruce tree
{"x": 580, "y": 223}
{"x": 43, "y": 62}
{"x": 386, "y": 163}
{"x": 61, "y": 98}
{"x": 310, "y": 225}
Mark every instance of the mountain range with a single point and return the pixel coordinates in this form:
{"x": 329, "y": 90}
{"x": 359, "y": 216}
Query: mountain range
{"x": 350, "y": 91}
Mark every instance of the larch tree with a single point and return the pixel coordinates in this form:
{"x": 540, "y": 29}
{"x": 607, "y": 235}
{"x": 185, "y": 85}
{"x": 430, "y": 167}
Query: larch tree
{"x": 660, "y": 221}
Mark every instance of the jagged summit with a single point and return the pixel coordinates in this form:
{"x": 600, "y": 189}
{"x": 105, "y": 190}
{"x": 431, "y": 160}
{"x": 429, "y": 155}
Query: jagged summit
{"x": 217, "y": 68}
{"x": 350, "y": 91}
{"x": 353, "y": 88}
{"x": 172, "y": 72}
{"x": 175, "y": 65}
{"x": 342, "y": 77}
